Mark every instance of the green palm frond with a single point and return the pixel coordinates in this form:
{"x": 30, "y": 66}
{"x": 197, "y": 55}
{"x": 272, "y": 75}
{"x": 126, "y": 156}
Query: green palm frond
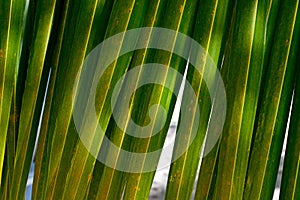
{"x": 275, "y": 104}
{"x": 290, "y": 183}
{"x": 88, "y": 90}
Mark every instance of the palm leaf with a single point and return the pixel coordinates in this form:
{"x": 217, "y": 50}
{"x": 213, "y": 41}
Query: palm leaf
{"x": 243, "y": 68}
{"x": 208, "y": 32}
{"x": 31, "y": 102}
{"x": 19, "y": 87}
{"x": 83, "y": 162}
{"x": 68, "y": 66}
{"x": 71, "y": 134}
{"x": 52, "y": 58}
{"x": 274, "y": 109}
{"x": 123, "y": 92}
{"x": 290, "y": 177}
{"x": 13, "y": 18}
{"x": 179, "y": 16}
{"x": 5, "y": 20}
